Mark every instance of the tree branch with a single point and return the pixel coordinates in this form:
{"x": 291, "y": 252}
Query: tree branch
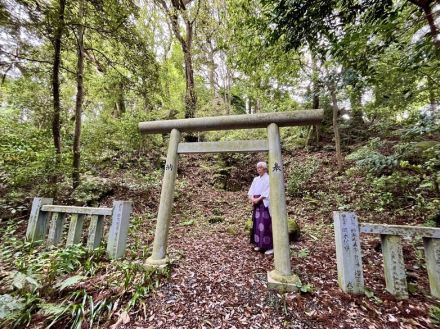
{"x": 35, "y": 60}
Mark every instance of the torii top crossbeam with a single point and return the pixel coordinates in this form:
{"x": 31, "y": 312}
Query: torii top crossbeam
{"x": 229, "y": 122}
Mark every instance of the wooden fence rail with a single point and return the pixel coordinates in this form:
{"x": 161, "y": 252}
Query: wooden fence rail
{"x": 47, "y": 219}
{"x": 349, "y": 256}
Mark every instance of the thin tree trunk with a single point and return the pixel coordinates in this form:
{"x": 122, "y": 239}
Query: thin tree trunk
{"x": 190, "y": 96}
{"x": 425, "y": 5}
{"x": 228, "y": 91}
{"x": 356, "y": 107}
{"x": 120, "y": 100}
{"x": 434, "y": 31}
{"x": 211, "y": 69}
{"x": 315, "y": 81}
{"x": 257, "y": 105}
{"x": 336, "y": 126}
{"x": 315, "y": 100}
{"x": 211, "y": 75}
{"x": 79, "y": 99}
{"x": 56, "y": 129}
{"x": 179, "y": 10}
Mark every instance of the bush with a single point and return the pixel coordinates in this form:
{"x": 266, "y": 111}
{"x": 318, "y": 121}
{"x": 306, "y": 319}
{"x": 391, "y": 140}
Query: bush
{"x": 397, "y": 184}
{"x": 366, "y": 157}
{"x": 425, "y": 126}
{"x": 298, "y": 177}
{"x": 91, "y": 189}
{"x": 27, "y": 154}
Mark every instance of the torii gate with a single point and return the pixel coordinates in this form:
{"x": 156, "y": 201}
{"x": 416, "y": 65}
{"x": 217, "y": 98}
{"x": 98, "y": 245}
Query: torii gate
{"x": 281, "y": 277}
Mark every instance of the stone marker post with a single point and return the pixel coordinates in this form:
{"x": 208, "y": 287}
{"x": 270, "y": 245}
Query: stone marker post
{"x": 432, "y": 258}
{"x": 37, "y": 226}
{"x": 75, "y": 229}
{"x": 348, "y": 252}
{"x": 117, "y": 237}
{"x": 160, "y": 243}
{"x": 281, "y": 277}
{"x": 96, "y": 229}
{"x": 56, "y": 228}
{"x": 394, "y": 266}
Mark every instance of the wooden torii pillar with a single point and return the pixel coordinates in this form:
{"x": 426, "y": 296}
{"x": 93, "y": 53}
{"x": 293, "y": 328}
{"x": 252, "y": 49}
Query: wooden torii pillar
{"x": 281, "y": 278}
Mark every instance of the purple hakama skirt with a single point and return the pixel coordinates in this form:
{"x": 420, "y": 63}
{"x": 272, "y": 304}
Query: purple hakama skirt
{"x": 261, "y": 234}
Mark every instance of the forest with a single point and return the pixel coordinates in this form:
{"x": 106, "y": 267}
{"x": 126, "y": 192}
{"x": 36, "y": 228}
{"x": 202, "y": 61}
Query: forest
{"x": 77, "y": 78}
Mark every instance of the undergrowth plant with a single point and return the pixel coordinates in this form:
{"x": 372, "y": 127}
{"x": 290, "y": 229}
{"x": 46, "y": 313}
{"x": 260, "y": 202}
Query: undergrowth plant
{"x": 68, "y": 287}
{"x": 409, "y": 177}
{"x": 298, "y": 176}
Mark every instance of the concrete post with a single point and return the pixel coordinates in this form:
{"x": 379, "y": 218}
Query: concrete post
{"x": 96, "y": 229}
{"x": 117, "y": 237}
{"x": 348, "y": 252}
{"x": 394, "y": 266}
{"x": 281, "y": 278}
{"x": 37, "y": 225}
{"x": 432, "y": 258}
{"x": 56, "y": 228}
{"x": 160, "y": 243}
{"x": 75, "y": 229}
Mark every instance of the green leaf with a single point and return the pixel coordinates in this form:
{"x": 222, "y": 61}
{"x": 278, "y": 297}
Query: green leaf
{"x": 9, "y": 304}
{"x": 70, "y": 281}
{"x": 369, "y": 293}
{"x": 303, "y": 252}
{"x": 52, "y": 310}
{"x": 19, "y": 280}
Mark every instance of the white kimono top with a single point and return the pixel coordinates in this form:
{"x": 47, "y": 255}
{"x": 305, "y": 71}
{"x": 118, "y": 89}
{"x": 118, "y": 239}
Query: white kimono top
{"x": 260, "y": 186}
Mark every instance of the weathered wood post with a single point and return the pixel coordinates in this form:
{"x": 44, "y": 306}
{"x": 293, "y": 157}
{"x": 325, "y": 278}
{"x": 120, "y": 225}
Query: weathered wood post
{"x": 160, "y": 243}
{"x": 348, "y": 252}
{"x": 394, "y": 266}
{"x": 432, "y": 258}
{"x": 117, "y": 237}
{"x": 281, "y": 277}
{"x": 37, "y": 226}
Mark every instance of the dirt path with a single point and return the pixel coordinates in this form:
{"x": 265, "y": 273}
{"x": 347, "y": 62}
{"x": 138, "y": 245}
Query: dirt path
{"x": 218, "y": 281}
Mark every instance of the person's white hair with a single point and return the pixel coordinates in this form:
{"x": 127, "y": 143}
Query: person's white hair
{"x": 262, "y": 164}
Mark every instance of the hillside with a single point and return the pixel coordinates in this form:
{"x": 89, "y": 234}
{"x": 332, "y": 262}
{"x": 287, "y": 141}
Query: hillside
{"x": 216, "y": 279}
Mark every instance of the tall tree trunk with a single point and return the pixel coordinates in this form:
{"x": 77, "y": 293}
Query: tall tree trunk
{"x": 120, "y": 100}
{"x": 211, "y": 75}
{"x": 315, "y": 81}
{"x": 315, "y": 100}
{"x": 179, "y": 10}
{"x": 79, "y": 98}
{"x": 425, "y": 5}
{"x": 356, "y": 107}
{"x": 56, "y": 129}
{"x": 186, "y": 44}
{"x": 211, "y": 69}
{"x": 339, "y": 158}
{"x": 433, "y": 28}
{"x": 227, "y": 91}
{"x": 190, "y": 95}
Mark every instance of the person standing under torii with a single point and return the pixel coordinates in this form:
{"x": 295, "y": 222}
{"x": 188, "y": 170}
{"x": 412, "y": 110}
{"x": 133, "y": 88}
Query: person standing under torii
{"x": 261, "y": 234}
